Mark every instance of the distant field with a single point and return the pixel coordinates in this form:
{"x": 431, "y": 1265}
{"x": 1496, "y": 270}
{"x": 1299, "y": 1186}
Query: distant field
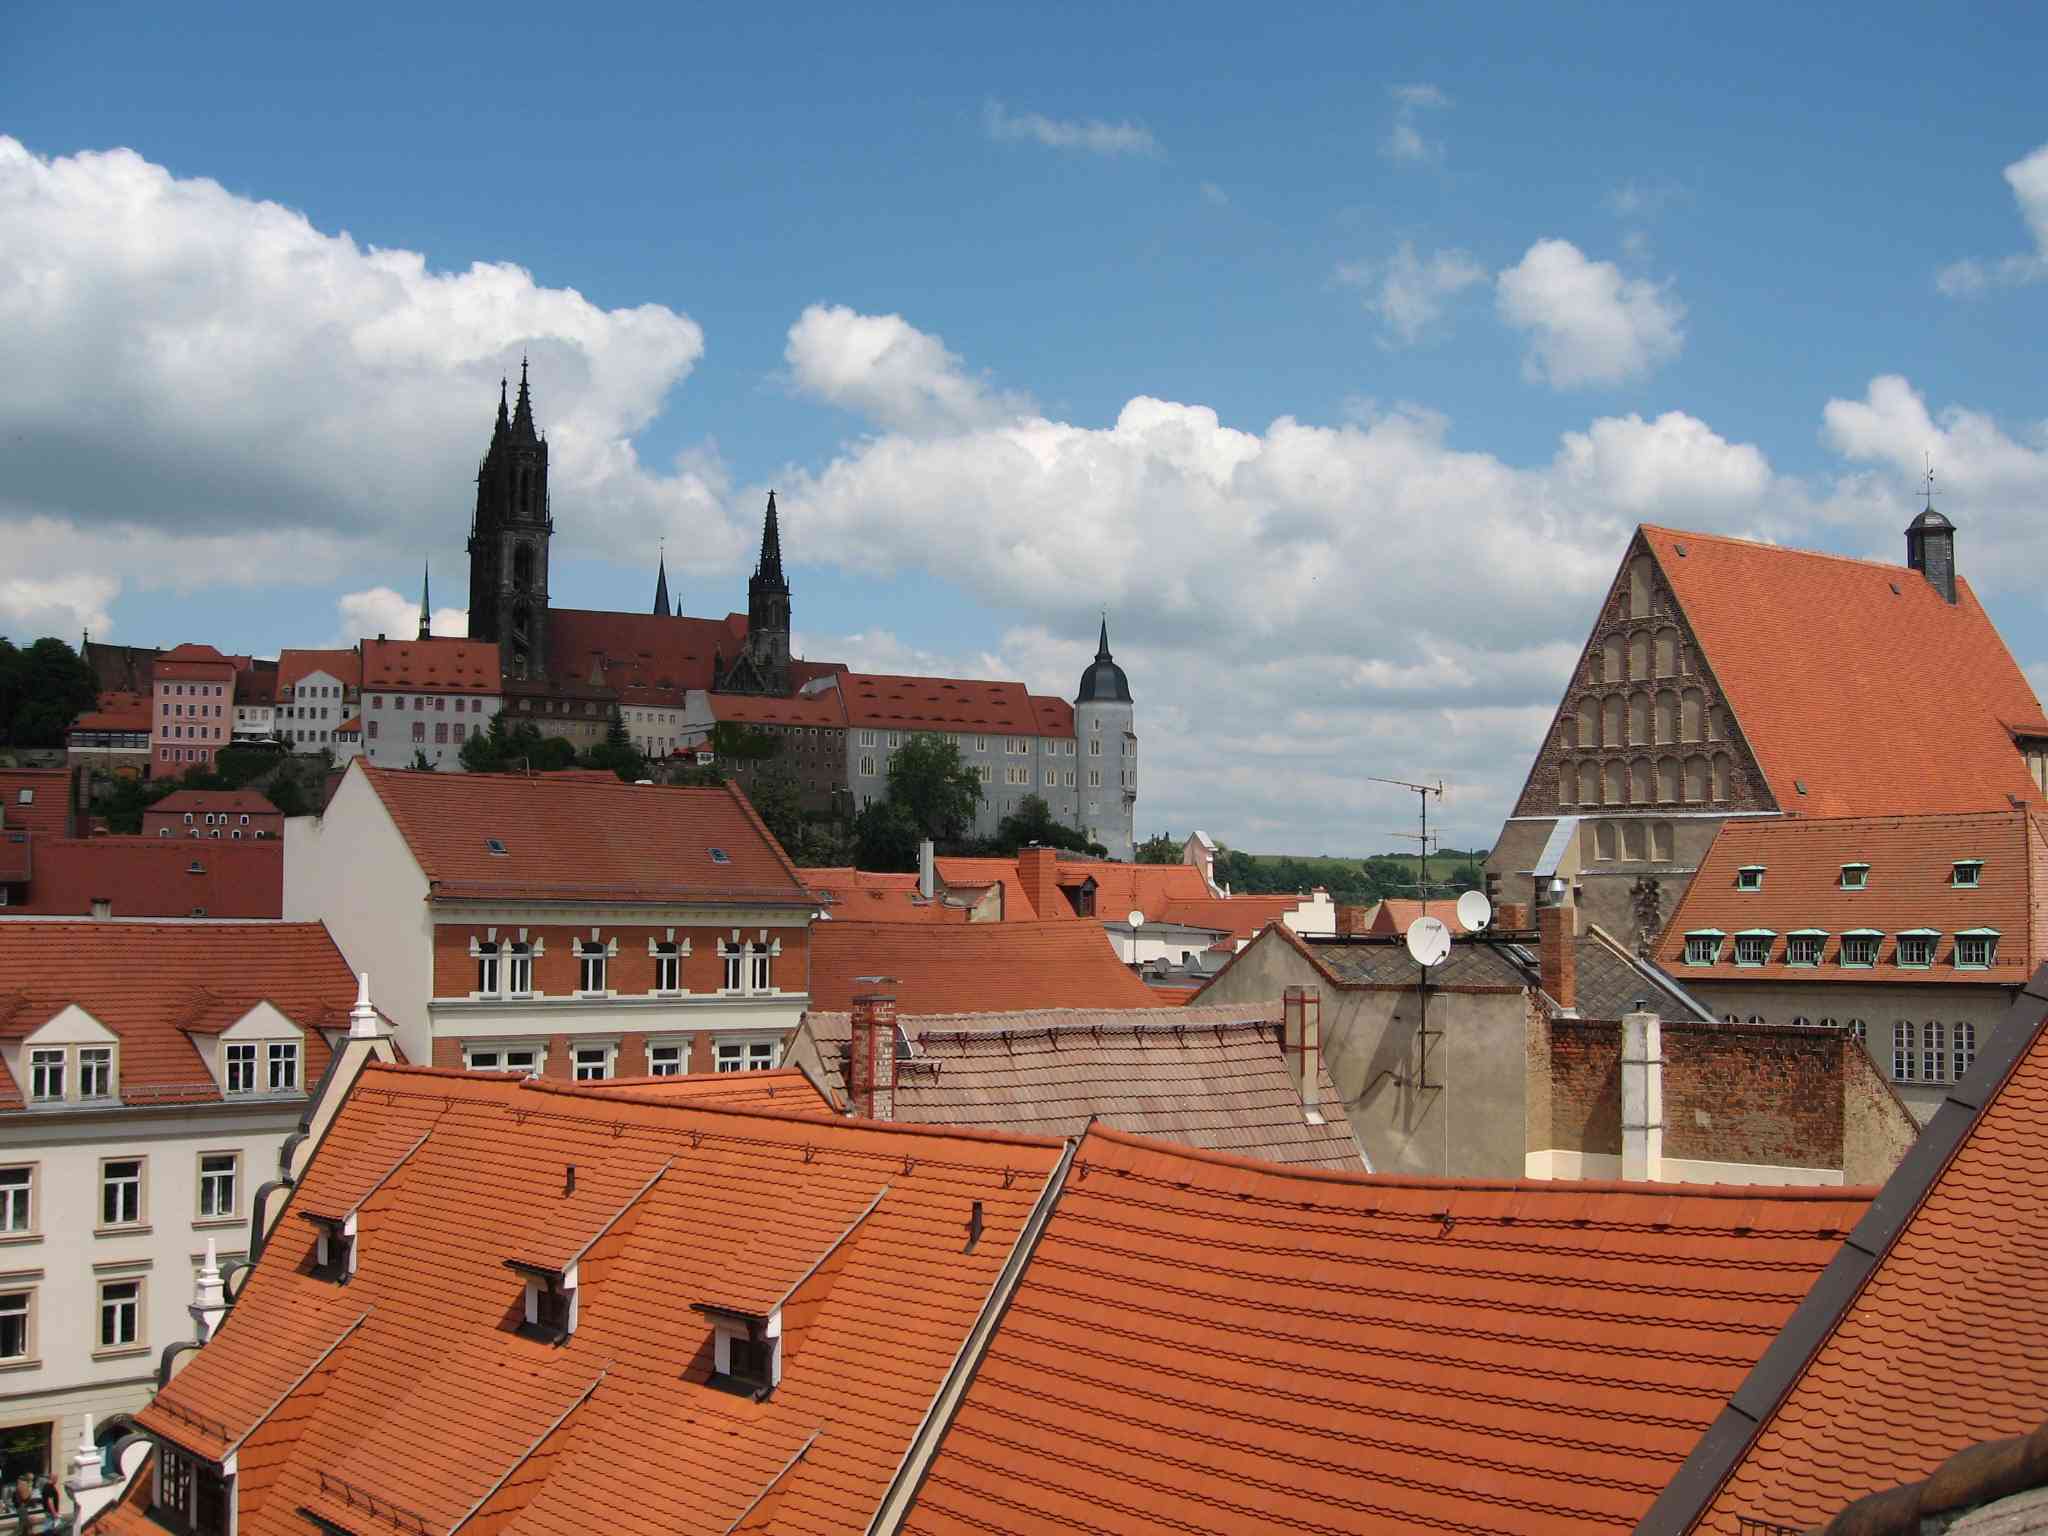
{"x": 1443, "y": 858}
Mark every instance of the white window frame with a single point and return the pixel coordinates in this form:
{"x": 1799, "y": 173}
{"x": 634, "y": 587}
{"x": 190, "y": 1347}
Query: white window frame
{"x": 18, "y": 1200}
{"x": 597, "y": 953}
{"x": 210, "y": 1185}
{"x": 668, "y": 956}
{"x": 1925, "y": 955}
{"x": 1963, "y": 1038}
{"x": 494, "y": 1056}
{"x": 281, "y": 1066}
{"x": 1860, "y": 940}
{"x": 518, "y": 967}
{"x": 21, "y": 1302}
{"x": 126, "y": 1313}
{"x": 1985, "y": 939}
{"x": 1753, "y": 949}
{"x": 1695, "y": 954}
{"x": 48, "y": 1071}
{"x": 489, "y": 957}
{"x": 1933, "y": 1051}
{"x": 238, "y": 1061}
{"x": 1803, "y": 950}
{"x": 131, "y": 1190}
{"x": 593, "y": 1061}
{"x": 746, "y": 1053}
{"x": 1903, "y": 1060}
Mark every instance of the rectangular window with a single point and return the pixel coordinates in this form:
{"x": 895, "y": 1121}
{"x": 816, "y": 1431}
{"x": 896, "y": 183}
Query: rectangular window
{"x": 17, "y": 1200}
{"x": 1095, "y": 778}
{"x": 120, "y": 1313}
{"x": 1916, "y": 950}
{"x": 1095, "y": 746}
{"x": 1933, "y": 1050}
{"x": 487, "y": 969}
{"x": 46, "y": 1074}
{"x": 519, "y": 970}
{"x": 1966, "y": 1050}
{"x": 759, "y": 971}
{"x": 590, "y": 968}
{"x": 441, "y": 733}
{"x": 593, "y": 1063}
{"x": 1902, "y": 1052}
{"x": 668, "y": 969}
{"x": 665, "y": 1061}
{"x": 1701, "y": 949}
{"x": 867, "y": 767}
{"x": 734, "y": 957}
{"x": 218, "y": 1172}
{"x": 1855, "y": 876}
{"x": 121, "y": 1192}
{"x": 1976, "y": 951}
{"x": 14, "y": 1325}
{"x": 745, "y": 1055}
{"x": 419, "y": 730}
{"x": 1804, "y": 948}
{"x": 1859, "y": 950}
{"x": 1750, "y": 878}
{"x": 284, "y": 1066}
{"x": 867, "y": 738}
{"x": 1752, "y": 948}
{"x": 1967, "y": 872}
{"x": 241, "y": 1062}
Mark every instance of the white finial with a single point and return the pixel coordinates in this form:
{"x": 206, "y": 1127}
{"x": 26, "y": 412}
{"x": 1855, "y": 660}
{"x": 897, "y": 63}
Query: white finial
{"x": 85, "y": 1461}
{"x": 362, "y": 1019}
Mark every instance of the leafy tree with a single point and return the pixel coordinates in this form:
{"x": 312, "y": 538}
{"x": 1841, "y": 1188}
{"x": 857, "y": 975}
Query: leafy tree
{"x": 778, "y": 797}
{"x": 1033, "y": 822}
{"x": 730, "y": 739}
{"x": 936, "y": 792}
{"x": 288, "y": 794}
{"x": 885, "y": 837}
{"x": 420, "y": 762}
{"x": 43, "y": 688}
{"x": 826, "y": 844}
{"x": 1160, "y": 848}
{"x": 617, "y": 751}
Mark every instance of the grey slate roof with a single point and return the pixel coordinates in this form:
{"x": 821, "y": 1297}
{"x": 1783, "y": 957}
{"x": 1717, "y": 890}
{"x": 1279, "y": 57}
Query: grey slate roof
{"x": 1387, "y": 963}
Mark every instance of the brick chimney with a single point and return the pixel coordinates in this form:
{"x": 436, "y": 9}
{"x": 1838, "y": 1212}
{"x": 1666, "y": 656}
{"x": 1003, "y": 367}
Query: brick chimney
{"x": 1302, "y": 1036}
{"x": 1353, "y": 920}
{"x": 1642, "y": 1097}
{"x": 1559, "y": 960}
{"x": 1038, "y": 872}
{"x": 1510, "y": 917}
{"x": 871, "y": 1069}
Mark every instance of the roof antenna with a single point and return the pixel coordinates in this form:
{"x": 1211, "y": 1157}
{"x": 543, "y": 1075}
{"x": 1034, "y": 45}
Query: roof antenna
{"x": 1929, "y": 456}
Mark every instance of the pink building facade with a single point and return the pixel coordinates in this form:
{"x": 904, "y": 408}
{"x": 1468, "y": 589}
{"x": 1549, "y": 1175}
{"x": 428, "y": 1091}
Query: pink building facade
{"x": 192, "y": 714}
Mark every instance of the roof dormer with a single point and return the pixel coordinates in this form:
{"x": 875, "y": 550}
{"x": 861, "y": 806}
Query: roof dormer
{"x": 551, "y": 1260}
{"x": 746, "y": 1349}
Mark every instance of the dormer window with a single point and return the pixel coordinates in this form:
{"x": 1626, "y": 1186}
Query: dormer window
{"x": 1855, "y": 876}
{"x": 1859, "y": 948}
{"x": 240, "y": 1056}
{"x": 551, "y": 1302}
{"x": 334, "y": 1249}
{"x": 1703, "y": 945}
{"x": 1803, "y": 948}
{"x": 1753, "y": 946}
{"x": 1976, "y": 949}
{"x": 746, "y": 1351}
{"x": 284, "y": 1066}
{"x": 1749, "y": 878}
{"x": 46, "y": 1074}
{"x": 1916, "y": 948}
{"x": 1967, "y": 874}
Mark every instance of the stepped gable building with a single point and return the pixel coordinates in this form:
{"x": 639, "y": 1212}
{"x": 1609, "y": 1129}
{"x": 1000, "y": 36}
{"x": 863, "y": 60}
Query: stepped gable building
{"x": 1726, "y": 679}
{"x": 675, "y": 679}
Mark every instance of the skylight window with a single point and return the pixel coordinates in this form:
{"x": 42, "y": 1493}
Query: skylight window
{"x": 720, "y": 856}
{"x": 496, "y": 846}
{"x": 1967, "y": 873}
{"x": 1749, "y": 878}
{"x": 1855, "y": 876}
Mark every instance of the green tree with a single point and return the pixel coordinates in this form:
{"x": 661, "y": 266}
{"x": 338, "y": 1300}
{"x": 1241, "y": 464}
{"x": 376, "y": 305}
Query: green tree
{"x": 778, "y": 797}
{"x": 885, "y": 837}
{"x": 43, "y": 688}
{"x": 420, "y": 762}
{"x": 288, "y": 794}
{"x": 1033, "y": 822}
{"x": 935, "y": 790}
{"x": 617, "y": 752}
{"x": 1160, "y": 848}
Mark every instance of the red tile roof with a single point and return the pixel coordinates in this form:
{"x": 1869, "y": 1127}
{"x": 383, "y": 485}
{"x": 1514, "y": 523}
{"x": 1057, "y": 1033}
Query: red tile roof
{"x": 1397, "y": 915}
{"x": 1944, "y": 1342}
{"x": 122, "y": 712}
{"x": 676, "y": 653}
{"x": 1055, "y": 716}
{"x": 194, "y": 661}
{"x": 823, "y": 708}
{"x": 1921, "y": 697}
{"x": 46, "y": 809}
{"x": 784, "y": 1088}
{"x": 1150, "y": 888}
{"x": 1239, "y": 916}
{"x": 1214, "y": 1077}
{"x": 860, "y": 894}
{"x": 1910, "y": 885}
{"x": 1202, "y": 1342}
{"x": 978, "y": 874}
{"x": 583, "y": 838}
{"x": 433, "y": 1406}
{"x": 891, "y": 702}
{"x": 294, "y": 667}
{"x": 154, "y": 877}
{"x": 198, "y": 801}
{"x": 148, "y": 981}
{"x": 253, "y": 685}
{"x": 974, "y": 967}
{"x": 443, "y": 666}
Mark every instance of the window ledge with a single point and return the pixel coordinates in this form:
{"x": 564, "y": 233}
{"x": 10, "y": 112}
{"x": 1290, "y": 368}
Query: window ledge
{"x": 17, "y": 1239}
{"x": 28, "y": 1364}
{"x": 120, "y": 1351}
{"x": 207, "y": 1223}
{"x": 132, "y": 1229}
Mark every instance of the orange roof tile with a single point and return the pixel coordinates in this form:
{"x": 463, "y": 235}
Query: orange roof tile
{"x": 821, "y": 708}
{"x": 149, "y": 981}
{"x": 583, "y": 837}
{"x": 35, "y": 799}
{"x": 1910, "y": 886}
{"x": 891, "y": 702}
{"x": 197, "y": 801}
{"x": 294, "y": 667}
{"x": 1149, "y": 888}
{"x": 1240, "y": 916}
{"x": 1396, "y": 915}
{"x": 864, "y": 895}
{"x": 784, "y": 1088}
{"x": 122, "y": 712}
{"x": 978, "y": 874}
{"x": 190, "y": 661}
{"x": 1202, "y": 1342}
{"x": 1938, "y": 1342}
{"x": 1921, "y": 699}
{"x": 669, "y": 652}
{"x": 437, "y": 1412}
{"x": 155, "y": 877}
{"x": 443, "y": 666}
{"x": 974, "y": 967}
{"x": 1055, "y": 716}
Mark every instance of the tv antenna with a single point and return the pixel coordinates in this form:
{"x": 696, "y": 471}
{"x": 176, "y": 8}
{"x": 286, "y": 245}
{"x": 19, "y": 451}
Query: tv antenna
{"x": 1421, "y": 838}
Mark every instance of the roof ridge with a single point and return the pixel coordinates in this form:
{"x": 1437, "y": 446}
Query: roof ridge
{"x": 1783, "y": 549}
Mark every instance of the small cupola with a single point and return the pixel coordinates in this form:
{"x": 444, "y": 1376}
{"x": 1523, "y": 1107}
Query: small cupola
{"x": 1931, "y": 547}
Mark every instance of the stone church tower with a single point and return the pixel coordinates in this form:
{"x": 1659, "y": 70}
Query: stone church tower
{"x": 508, "y": 542}
{"x": 763, "y": 666}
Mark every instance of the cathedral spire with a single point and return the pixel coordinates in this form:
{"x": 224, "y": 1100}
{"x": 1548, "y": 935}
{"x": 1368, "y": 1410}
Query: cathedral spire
{"x": 1102, "y": 647}
{"x": 426, "y": 610}
{"x": 661, "y": 586}
{"x": 504, "y": 420}
{"x": 770, "y": 566}
{"x": 522, "y": 414}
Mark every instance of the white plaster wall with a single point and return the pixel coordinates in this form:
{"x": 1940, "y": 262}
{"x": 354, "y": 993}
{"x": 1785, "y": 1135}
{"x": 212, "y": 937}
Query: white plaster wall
{"x": 1560, "y": 1163}
{"x": 394, "y": 746}
{"x": 1314, "y": 916}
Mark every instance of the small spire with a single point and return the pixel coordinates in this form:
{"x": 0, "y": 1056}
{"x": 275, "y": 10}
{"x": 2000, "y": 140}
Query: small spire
{"x": 1102, "y": 647}
{"x": 661, "y": 581}
{"x": 362, "y": 1019}
{"x": 426, "y": 623}
{"x": 504, "y": 412}
{"x": 770, "y": 566}
{"x": 522, "y": 413}
{"x": 1930, "y": 481}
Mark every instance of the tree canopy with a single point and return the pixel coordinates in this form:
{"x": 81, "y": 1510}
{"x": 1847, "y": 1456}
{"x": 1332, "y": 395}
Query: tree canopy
{"x": 935, "y": 790}
{"x": 1159, "y": 848}
{"x": 43, "y": 688}
{"x": 1033, "y": 822}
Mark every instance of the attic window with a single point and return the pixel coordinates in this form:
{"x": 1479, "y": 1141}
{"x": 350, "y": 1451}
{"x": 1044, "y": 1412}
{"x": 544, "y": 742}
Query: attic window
{"x": 496, "y": 846}
{"x": 1967, "y": 872}
{"x": 720, "y": 856}
{"x": 1855, "y": 876}
{"x": 1859, "y": 948}
{"x": 1916, "y": 948}
{"x": 1753, "y": 947}
{"x": 1804, "y": 947}
{"x": 746, "y": 1355}
{"x": 195, "y": 868}
{"x": 1703, "y": 945}
{"x": 25, "y": 797}
{"x": 1750, "y": 877}
{"x": 334, "y": 1249}
{"x": 1976, "y": 950}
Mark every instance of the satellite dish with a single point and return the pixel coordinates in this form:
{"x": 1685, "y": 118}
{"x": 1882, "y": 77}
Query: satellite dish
{"x": 1429, "y": 941}
{"x": 1474, "y": 911}
{"x": 1135, "y": 918}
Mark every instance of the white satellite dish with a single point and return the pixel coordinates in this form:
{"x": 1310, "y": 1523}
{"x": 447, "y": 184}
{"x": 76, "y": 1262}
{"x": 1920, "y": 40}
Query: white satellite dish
{"x": 1474, "y": 911}
{"x": 1135, "y": 918}
{"x": 1429, "y": 941}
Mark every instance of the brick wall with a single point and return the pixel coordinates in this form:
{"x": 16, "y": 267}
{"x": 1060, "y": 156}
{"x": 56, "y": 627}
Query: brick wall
{"x": 630, "y": 971}
{"x": 1585, "y": 1086}
{"x": 630, "y": 1062}
{"x": 1877, "y": 1127}
{"x": 1746, "y": 1093}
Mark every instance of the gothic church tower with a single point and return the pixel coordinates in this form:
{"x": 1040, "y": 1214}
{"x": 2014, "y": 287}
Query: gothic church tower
{"x": 508, "y": 542}
{"x": 763, "y": 667}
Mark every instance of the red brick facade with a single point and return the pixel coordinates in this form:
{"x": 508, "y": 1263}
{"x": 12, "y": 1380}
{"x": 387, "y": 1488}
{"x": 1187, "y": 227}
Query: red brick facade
{"x": 629, "y": 970}
{"x": 557, "y": 1065}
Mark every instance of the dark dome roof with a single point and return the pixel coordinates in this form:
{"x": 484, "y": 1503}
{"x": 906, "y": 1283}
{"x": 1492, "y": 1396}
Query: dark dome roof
{"x": 1930, "y": 519}
{"x": 1104, "y": 681}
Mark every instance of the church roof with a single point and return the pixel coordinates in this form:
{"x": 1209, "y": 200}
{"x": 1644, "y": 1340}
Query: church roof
{"x": 449, "y": 666}
{"x": 1858, "y": 688}
{"x": 662, "y": 652}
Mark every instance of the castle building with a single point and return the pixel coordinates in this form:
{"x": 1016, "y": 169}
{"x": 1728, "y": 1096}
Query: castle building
{"x": 675, "y": 679}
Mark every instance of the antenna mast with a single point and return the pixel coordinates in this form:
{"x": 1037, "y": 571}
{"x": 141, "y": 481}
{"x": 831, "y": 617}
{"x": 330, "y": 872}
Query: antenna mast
{"x": 1422, "y": 792}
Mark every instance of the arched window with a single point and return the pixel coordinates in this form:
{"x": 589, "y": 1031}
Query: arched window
{"x": 1589, "y": 721}
{"x": 1613, "y": 790}
{"x": 1589, "y": 783}
{"x": 1568, "y": 730}
{"x": 1639, "y": 719}
{"x": 1667, "y": 717}
{"x": 1724, "y": 772}
{"x": 1717, "y": 729}
{"x": 1660, "y": 842}
{"x": 1638, "y": 656}
{"x": 1639, "y": 787}
{"x": 1690, "y": 705}
{"x": 1933, "y": 1050}
{"x": 1667, "y": 780}
{"x": 1801, "y": 1021}
{"x": 1567, "y": 784}
{"x": 1639, "y": 587}
{"x": 522, "y": 566}
{"x": 1632, "y": 841}
{"x": 1696, "y": 780}
{"x": 1610, "y": 721}
{"x": 1611, "y": 669}
{"x": 1902, "y": 1051}
{"x": 1966, "y": 1049}
{"x": 1667, "y": 653}
{"x": 1603, "y": 841}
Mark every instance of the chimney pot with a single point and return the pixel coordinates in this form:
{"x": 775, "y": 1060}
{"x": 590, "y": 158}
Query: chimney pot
{"x": 1559, "y": 960}
{"x": 871, "y": 1077}
{"x": 1642, "y": 1097}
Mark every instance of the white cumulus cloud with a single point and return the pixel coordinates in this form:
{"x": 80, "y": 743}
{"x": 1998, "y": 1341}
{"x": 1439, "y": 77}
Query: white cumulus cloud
{"x": 379, "y": 611}
{"x": 2028, "y": 178}
{"x": 1405, "y": 140}
{"x": 1586, "y": 322}
{"x": 1093, "y": 135}
{"x": 886, "y": 369}
{"x": 1409, "y": 292}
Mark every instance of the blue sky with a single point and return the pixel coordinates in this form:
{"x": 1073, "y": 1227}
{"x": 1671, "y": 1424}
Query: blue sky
{"x": 1328, "y": 215}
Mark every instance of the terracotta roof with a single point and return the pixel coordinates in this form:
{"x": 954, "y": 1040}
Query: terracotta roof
{"x": 1206, "y": 1343}
{"x": 675, "y": 653}
{"x": 1395, "y": 914}
{"x": 198, "y": 801}
{"x": 146, "y": 981}
{"x": 46, "y": 809}
{"x": 1910, "y": 885}
{"x": 1213, "y": 1077}
{"x": 124, "y": 712}
{"x": 154, "y": 877}
{"x": 979, "y": 874}
{"x": 864, "y": 895}
{"x": 253, "y": 685}
{"x": 445, "y": 666}
{"x": 194, "y": 661}
{"x": 822, "y": 708}
{"x": 1239, "y": 916}
{"x": 1912, "y": 681}
{"x": 445, "y": 1416}
{"x": 294, "y": 667}
{"x": 1928, "y": 1334}
{"x": 784, "y": 1088}
{"x": 1148, "y": 887}
{"x": 1994, "y": 1488}
{"x": 974, "y": 967}
{"x": 938, "y": 704}
{"x": 579, "y": 838}
{"x": 1055, "y": 716}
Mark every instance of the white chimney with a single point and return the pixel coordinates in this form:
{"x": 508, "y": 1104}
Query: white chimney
{"x": 362, "y": 1019}
{"x": 1642, "y": 1097}
{"x": 1302, "y": 1035}
{"x": 927, "y": 869}
{"x": 209, "y": 1297}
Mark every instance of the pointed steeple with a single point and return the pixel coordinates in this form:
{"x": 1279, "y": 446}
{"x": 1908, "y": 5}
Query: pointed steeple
{"x": 770, "y": 566}
{"x": 661, "y": 585}
{"x": 504, "y": 418}
{"x": 522, "y": 414}
{"x": 1102, "y": 647}
{"x": 426, "y": 607}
